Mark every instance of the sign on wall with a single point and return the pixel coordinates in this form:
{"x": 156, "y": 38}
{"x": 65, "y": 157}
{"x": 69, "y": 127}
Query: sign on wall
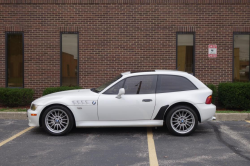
{"x": 212, "y": 51}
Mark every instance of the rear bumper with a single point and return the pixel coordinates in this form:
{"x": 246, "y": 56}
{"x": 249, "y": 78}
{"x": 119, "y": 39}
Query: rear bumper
{"x": 206, "y": 111}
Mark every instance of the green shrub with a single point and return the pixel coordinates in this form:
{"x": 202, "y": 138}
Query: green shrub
{"x": 59, "y": 89}
{"x": 234, "y": 95}
{"x": 214, "y": 89}
{"x": 13, "y": 97}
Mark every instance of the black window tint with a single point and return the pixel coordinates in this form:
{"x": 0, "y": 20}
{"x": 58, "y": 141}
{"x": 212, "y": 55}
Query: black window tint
{"x": 140, "y": 85}
{"x": 170, "y": 83}
{"x": 115, "y": 89}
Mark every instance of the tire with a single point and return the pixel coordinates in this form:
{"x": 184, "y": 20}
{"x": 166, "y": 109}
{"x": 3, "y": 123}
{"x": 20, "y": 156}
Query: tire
{"x": 181, "y": 120}
{"x": 57, "y": 120}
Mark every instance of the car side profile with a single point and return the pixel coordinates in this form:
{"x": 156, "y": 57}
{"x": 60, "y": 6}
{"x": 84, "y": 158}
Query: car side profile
{"x": 141, "y": 99}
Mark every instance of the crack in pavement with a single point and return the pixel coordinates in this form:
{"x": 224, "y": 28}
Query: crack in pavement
{"x": 231, "y": 147}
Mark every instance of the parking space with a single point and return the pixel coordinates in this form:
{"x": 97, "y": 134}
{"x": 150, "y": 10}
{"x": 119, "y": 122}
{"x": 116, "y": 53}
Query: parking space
{"x": 213, "y": 143}
{"x": 9, "y": 128}
{"x": 90, "y": 146}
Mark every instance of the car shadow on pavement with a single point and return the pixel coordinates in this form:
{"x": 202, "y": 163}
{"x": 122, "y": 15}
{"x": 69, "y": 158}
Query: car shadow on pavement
{"x": 202, "y": 129}
{"x": 100, "y": 131}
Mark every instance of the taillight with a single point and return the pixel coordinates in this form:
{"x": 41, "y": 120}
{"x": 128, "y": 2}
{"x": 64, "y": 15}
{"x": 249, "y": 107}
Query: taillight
{"x": 209, "y": 100}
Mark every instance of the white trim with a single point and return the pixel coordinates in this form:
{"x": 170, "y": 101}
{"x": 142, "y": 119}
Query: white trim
{"x": 138, "y": 123}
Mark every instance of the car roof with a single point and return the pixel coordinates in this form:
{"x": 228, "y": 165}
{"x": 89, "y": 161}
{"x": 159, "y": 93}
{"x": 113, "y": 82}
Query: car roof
{"x": 175, "y": 72}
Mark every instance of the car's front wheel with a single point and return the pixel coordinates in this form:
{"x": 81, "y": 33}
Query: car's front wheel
{"x": 181, "y": 120}
{"x": 57, "y": 120}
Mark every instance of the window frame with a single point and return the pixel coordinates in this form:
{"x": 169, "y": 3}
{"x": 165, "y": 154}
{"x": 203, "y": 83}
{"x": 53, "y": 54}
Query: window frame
{"x": 158, "y": 75}
{"x": 115, "y": 85}
{"x": 61, "y": 33}
{"x": 240, "y": 33}
{"x": 6, "y": 56}
{"x": 193, "y": 61}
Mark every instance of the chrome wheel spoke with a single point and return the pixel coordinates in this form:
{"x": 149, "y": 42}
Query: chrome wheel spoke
{"x": 53, "y": 125}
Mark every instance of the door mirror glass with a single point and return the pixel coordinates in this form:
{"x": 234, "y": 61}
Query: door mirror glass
{"x": 121, "y": 92}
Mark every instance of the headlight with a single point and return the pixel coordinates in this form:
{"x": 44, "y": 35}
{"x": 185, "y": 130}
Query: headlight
{"x": 33, "y": 107}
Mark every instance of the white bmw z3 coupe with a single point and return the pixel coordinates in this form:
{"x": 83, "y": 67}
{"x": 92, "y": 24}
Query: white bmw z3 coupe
{"x": 132, "y": 99}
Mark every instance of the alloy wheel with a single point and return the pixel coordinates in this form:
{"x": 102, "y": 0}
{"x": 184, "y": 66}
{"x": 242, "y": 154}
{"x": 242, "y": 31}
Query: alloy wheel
{"x": 56, "y": 120}
{"x": 182, "y": 121}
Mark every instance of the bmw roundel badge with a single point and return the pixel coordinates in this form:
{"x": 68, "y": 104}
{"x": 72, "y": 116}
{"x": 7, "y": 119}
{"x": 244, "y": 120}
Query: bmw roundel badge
{"x": 93, "y": 102}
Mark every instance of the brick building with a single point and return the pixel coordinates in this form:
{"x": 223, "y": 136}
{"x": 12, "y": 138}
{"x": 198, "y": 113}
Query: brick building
{"x": 45, "y": 43}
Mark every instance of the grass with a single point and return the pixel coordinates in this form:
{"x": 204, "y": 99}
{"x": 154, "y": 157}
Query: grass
{"x": 232, "y": 111}
{"x": 13, "y": 109}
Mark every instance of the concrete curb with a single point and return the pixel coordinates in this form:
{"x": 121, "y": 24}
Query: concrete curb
{"x": 14, "y": 115}
{"x": 219, "y": 116}
{"x": 232, "y": 116}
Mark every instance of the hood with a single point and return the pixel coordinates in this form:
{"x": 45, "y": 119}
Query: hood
{"x": 66, "y": 97}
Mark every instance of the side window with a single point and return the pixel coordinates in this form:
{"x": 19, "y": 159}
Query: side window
{"x": 171, "y": 83}
{"x": 115, "y": 88}
{"x": 140, "y": 85}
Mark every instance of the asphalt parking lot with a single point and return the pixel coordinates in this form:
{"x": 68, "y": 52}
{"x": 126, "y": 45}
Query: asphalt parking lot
{"x": 213, "y": 143}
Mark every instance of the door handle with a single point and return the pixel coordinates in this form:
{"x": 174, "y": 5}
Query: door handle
{"x": 146, "y": 100}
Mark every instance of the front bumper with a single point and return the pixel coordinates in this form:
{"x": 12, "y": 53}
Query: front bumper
{"x": 33, "y": 120}
{"x": 206, "y": 111}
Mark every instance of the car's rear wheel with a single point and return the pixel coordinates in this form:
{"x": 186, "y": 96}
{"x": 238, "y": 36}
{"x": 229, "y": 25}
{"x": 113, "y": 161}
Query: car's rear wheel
{"x": 57, "y": 120}
{"x": 182, "y": 120}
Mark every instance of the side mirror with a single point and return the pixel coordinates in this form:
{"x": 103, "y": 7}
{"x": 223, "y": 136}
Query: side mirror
{"x": 121, "y": 92}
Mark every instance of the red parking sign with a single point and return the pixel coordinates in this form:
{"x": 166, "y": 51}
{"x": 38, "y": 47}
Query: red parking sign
{"x": 212, "y": 51}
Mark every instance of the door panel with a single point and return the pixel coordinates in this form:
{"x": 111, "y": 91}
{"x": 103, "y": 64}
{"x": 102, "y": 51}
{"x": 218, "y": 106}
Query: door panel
{"x": 137, "y": 103}
{"x": 129, "y": 107}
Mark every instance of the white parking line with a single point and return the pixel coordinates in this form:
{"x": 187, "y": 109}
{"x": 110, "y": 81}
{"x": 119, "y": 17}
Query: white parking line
{"x": 15, "y": 136}
{"x": 153, "y": 161}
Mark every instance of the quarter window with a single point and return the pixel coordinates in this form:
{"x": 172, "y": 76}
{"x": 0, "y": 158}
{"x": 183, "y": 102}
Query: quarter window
{"x": 140, "y": 85}
{"x": 69, "y": 57}
{"x": 171, "y": 83}
{"x": 14, "y": 60}
{"x": 185, "y": 52}
{"x": 241, "y": 57}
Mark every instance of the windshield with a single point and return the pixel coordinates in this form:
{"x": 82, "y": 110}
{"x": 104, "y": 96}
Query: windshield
{"x": 100, "y": 88}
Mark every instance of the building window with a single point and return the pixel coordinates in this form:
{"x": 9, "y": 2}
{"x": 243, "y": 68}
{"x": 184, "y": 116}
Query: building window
{"x": 241, "y": 57}
{"x": 69, "y": 59}
{"x": 14, "y": 57}
{"x": 185, "y": 52}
